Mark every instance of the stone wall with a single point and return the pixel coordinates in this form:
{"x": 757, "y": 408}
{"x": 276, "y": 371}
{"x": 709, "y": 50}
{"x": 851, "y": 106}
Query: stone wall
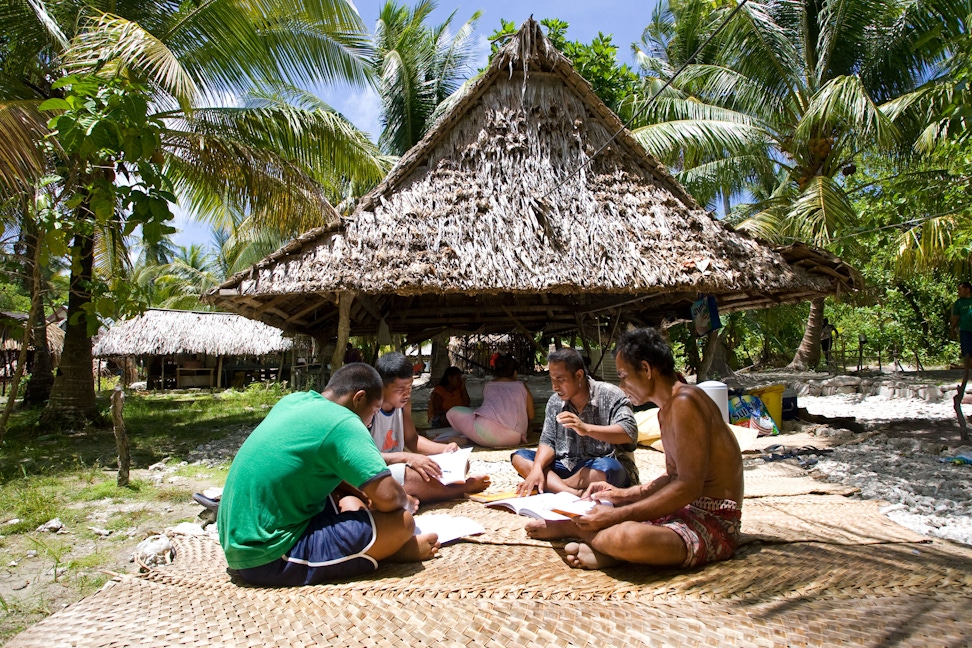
{"x": 886, "y": 387}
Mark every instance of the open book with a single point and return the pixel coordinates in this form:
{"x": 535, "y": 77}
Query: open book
{"x": 447, "y": 527}
{"x": 547, "y": 506}
{"x": 453, "y": 465}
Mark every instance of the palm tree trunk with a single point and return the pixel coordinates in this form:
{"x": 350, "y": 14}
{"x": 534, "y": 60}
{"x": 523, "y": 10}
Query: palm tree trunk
{"x": 42, "y": 374}
{"x": 73, "y": 396}
{"x": 808, "y": 354}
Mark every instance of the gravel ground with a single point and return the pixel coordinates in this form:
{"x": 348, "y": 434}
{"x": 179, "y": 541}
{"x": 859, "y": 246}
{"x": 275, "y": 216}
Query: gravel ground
{"x": 925, "y": 494}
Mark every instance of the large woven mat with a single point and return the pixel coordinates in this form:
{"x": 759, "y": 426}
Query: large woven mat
{"x": 814, "y": 570}
{"x": 795, "y": 594}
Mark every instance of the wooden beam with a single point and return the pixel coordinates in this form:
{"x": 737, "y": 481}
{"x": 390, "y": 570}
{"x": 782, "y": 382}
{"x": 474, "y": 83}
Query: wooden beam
{"x": 527, "y": 332}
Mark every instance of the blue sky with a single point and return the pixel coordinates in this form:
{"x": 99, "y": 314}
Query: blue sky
{"x": 623, "y": 19}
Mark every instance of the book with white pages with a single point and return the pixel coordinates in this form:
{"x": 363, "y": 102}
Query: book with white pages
{"x": 447, "y": 527}
{"x": 548, "y": 506}
{"x": 453, "y": 465}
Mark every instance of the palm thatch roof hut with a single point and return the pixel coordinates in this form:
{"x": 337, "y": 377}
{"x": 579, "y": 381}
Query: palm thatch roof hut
{"x": 189, "y": 347}
{"x": 528, "y": 206}
{"x": 11, "y": 337}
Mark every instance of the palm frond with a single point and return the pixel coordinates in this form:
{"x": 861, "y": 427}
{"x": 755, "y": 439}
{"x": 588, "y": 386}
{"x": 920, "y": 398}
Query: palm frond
{"x": 44, "y": 19}
{"x": 228, "y": 46}
{"x": 843, "y": 104}
{"x": 821, "y": 210}
{"x": 22, "y": 160}
{"x": 722, "y": 86}
{"x": 926, "y": 246}
{"x": 707, "y": 139}
{"x": 320, "y": 141}
{"x": 121, "y": 45}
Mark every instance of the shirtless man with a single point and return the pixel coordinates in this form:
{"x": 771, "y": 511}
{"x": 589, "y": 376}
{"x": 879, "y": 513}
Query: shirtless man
{"x": 404, "y": 450}
{"x": 690, "y": 515}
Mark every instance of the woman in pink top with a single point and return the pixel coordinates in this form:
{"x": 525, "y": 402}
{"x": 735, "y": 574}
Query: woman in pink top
{"x": 505, "y": 414}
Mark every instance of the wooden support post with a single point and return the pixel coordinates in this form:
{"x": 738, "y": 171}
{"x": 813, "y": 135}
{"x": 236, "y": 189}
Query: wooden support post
{"x": 121, "y": 437}
{"x": 614, "y": 330}
{"x": 583, "y": 337}
{"x": 344, "y": 329}
{"x": 219, "y": 372}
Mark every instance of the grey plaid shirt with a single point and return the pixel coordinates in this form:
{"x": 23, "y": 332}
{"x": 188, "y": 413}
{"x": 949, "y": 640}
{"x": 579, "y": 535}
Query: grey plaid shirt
{"x": 608, "y": 406}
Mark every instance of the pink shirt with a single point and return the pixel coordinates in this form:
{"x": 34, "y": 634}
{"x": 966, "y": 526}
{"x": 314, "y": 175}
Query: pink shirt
{"x": 505, "y": 402}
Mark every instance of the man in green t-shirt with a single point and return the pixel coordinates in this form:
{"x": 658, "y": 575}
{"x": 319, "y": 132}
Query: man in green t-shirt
{"x": 961, "y": 327}
{"x": 309, "y": 498}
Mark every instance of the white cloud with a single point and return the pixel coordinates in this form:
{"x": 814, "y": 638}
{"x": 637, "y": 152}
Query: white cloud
{"x": 363, "y": 109}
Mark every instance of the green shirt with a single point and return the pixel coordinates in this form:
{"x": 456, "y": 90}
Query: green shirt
{"x": 963, "y": 308}
{"x": 284, "y": 472}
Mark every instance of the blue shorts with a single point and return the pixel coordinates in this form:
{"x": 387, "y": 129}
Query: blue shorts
{"x": 965, "y": 339}
{"x": 332, "y": 548}
{"x": 614, "y": 472}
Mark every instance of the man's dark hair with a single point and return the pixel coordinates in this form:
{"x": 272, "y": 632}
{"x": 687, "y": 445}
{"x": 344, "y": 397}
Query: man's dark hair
{"x": 354, "y": 377}
{"x": 393, "y": 366}
{"x": 570, "y": 358}
{"x": 648, "y": 345}
{"x": 506, "y": 365}
{"x": 965, "y": 284}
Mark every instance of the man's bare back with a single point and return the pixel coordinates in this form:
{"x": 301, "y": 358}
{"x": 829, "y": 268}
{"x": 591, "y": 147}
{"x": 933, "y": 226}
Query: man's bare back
{"x": 723, "y": 478}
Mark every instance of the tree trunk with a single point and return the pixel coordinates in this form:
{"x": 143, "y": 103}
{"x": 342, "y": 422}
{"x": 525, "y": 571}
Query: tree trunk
{"x": 343, "y": 329}
{"x": 440, "y": 357}
{"x": 715, "y": 362}
{"x": 25, "y": 342}
{"x": 42, "y": 374}
{"x": 808, "y": 354}
{"x": 73, "y": 396}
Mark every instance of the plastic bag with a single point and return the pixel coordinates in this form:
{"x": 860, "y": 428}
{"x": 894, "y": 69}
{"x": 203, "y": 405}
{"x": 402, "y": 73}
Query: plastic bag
{"x": 748, "y": 411}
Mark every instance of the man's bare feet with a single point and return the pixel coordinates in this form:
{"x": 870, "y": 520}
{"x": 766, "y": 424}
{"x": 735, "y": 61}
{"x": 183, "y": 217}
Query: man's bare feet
{"x": 477, "y": 483}
{"x": 550, "y": 529}
{"x": 580, "y": 555}
{"x": 419, "y": 547}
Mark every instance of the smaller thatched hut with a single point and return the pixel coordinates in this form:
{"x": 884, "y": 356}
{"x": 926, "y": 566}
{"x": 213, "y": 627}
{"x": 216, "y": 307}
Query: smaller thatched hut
{"x": 180, "y": 349}
{"x": 12, "y": 335}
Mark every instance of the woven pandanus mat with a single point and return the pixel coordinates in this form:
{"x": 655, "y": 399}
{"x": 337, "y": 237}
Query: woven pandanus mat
{"x": 140, "y": 612}
{"x": 467, "y": 570}
{"x": 779, "y": 479}
{"x": 826, "y": 518}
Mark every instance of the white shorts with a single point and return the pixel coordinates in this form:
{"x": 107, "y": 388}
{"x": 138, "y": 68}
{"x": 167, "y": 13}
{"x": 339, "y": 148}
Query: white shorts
{"x": 398, "y": 472}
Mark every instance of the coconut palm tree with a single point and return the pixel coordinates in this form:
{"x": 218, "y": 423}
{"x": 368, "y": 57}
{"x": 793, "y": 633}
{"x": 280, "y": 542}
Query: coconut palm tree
{"x": 188, "y": 65}
{"x": 417, "y": 67}
{"x": 785, "y": 100}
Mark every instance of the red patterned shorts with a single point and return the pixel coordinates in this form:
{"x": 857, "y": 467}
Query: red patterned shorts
{"x": 708, "y": 527}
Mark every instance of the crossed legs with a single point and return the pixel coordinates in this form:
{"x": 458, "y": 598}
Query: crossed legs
{"x": 635, "y": 542}
{"x": 553, "y": 483}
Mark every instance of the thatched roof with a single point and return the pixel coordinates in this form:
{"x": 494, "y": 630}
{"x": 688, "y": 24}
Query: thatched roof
{"x": 501, "y": 215}
{"x": 12, "y": 334}
{"x": 166, "y": 332}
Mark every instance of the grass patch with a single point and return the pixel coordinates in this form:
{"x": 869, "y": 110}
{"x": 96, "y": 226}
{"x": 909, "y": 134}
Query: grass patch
{"x": 31, "y": 500}
{"x": 160, "y": 426}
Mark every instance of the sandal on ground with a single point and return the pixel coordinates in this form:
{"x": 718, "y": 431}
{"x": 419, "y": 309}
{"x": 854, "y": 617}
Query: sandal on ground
{"x": 811, "y": 450}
